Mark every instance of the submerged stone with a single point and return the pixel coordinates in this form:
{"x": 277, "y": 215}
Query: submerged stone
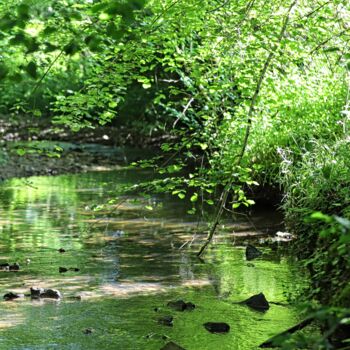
{"x": 172, "y": 346}
{"x": 166, "y": 321}
{"x": 251, "y": 252}
{"x": 180, "y": 305}
{"x": 62, "y": 269}
{"x": 61, "y": 250}
{"x": 217, "y": 327}
{"x": 257, "y": 302}
{"x": 12, "y": 296}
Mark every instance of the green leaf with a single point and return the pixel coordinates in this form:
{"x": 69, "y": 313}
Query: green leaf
{"x": 181, "y": 195}
{"x": 194, "y": 197}
{"x": 320, "y": 216}
{"x": 21, "y": 151}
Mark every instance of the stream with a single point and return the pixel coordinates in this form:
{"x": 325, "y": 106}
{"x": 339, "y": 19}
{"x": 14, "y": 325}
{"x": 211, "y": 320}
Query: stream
{"x": 130, "y": 267}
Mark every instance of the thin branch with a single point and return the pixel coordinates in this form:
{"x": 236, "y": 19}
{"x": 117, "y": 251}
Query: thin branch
{"x": 319, "y": 46}
{"x": 184, "y": 111}
{"x": 219, "y": 7}
{"x": 46, "y": 72}
{"x": 309, "y": 14}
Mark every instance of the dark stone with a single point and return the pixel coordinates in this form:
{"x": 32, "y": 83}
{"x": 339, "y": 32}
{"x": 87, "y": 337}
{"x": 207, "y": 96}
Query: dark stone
{"x": 37, "y": 293}
{"x": 172, "y": 346}
{"x": 156, "y": 309}
{"x": 190, "y": 306}
{"x": 51, "y": 293}
{"x": 62, "y": 269}
{"x": 5, "y": 266}
{"x": 166, "y": 321}
{"x": 75, "y": 269}
{"x": 251, "y": 252}
{"x": 88, "y": 330}
{"x": 180, "y": 305}
{"x": 14, "y": 267}
{"x": 258, "y": 302}
{"x": 12, "y": 296}
{"x": 61, "y": 250}
{"x": 217, "y": 327}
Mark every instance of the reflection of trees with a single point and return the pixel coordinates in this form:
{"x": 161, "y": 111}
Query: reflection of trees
{"x": 6, "y": 196}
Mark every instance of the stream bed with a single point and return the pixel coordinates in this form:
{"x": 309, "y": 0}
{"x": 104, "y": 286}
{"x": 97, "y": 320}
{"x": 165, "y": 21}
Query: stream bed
{"x": 130, "y": 267}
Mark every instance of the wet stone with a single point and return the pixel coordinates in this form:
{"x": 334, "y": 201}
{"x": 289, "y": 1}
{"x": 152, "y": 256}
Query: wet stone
{"x": 251, "y": 252}
{"x": 180, "y": 305}
{"x": 14, "y": 267}
{"x": 172, "y": 346}
{"x": 37, "y": 293}
{"x": 61, "y": 250}
{"x": 258, "y": 302}
{"x": 217, "y": 327}
{"x": 166, "y": 321}
{"x": 5, "y": 267}
{"x": 12, "y": 296}
{"x": 62, "y": 269}
{"x": 88, "y": 331}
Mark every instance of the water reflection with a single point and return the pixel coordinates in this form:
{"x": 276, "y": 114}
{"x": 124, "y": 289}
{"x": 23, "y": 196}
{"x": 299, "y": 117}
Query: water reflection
{"x": 130, "y": 263}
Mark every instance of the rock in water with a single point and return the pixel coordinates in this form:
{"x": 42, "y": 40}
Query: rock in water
{"x": 12, "y": 296}
{"x": 51, "y": 293}
{"x": 88, "y": 331}
{"x": 257, "y": 302}
{"x": 37, "y": 293}
{"x": 62, "y": 269}
{"x": 190, "y": 306}
{"x": 180, "y": 305}
{"x": 166, "y": 321}
{"x": 251, "y": 252}
{"x": 14, "y": 267}
{"x": 217, "y": 327}
{"x": 171, "y": 346}
{"x": 5, "y": 267}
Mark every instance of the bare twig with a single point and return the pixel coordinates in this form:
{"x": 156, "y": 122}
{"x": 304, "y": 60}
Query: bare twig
{"x": 184, "y": 111}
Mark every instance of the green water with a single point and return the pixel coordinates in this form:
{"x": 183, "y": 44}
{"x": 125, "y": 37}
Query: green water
{"x": 130, "y": 263}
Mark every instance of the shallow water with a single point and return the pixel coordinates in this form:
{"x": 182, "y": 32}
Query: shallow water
{"x": 130, "y": 264}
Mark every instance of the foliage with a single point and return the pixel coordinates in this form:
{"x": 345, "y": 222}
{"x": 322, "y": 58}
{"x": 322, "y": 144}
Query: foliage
{"x": 245, "y": 92}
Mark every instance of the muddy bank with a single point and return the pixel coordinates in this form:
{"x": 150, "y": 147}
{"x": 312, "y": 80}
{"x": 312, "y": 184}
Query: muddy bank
{"x": 23, "y": 159}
